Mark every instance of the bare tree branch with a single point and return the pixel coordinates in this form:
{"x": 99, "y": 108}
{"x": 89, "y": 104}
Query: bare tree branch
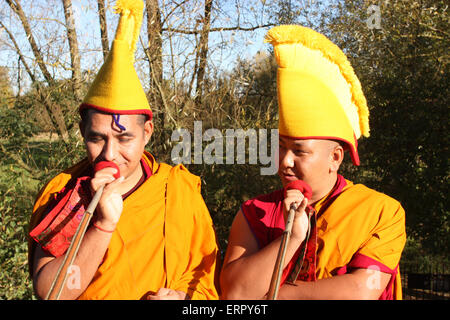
{"x": 154, "y": 52}
{"x": 161, "y": 92}
{"x": 17, "y": 48}
{"x": 203, "y": 52}
{"x": 17, "y": 8}
{"x": 52, "y": 110}
{"x": 103, "y": 27}
{"x": 220, "y": 29}
{"x": 74, "y": 52}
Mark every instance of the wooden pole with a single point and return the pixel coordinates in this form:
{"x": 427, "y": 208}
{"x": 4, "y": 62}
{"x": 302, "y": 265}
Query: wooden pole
{"x": 279, "y": 264}
{"x": 61, "y": 276}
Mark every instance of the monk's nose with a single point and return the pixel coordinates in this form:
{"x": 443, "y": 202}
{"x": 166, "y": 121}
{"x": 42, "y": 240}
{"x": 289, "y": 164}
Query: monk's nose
{"x": 287, "y": 159}
{"x": 109, "y": 150}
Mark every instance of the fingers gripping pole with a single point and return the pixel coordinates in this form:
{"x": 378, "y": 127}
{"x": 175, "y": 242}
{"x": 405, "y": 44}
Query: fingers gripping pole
{"x": 279, "y": 263}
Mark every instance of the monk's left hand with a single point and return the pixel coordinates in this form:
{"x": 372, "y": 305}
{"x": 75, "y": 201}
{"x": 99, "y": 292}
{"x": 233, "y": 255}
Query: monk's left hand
{"x": 168, "y": 294}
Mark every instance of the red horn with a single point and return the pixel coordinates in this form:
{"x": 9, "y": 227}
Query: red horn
{"x": 300, "y": 185}
{"x": 105, "y": 164}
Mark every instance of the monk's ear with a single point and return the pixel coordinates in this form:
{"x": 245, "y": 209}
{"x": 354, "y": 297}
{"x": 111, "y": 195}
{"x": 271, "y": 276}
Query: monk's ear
{"x": 336, "y": 157}
{"x": 148, "y": 130}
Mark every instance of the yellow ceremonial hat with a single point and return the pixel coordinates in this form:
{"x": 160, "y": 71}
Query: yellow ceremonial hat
{"x": 116, "y": 88}
{"x": 319, "y": 95}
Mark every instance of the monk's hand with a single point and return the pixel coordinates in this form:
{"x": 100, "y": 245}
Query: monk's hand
{"x": 110, "y": 206}
{"x": 168, "y": 294}
{"x": 300, "y": 224}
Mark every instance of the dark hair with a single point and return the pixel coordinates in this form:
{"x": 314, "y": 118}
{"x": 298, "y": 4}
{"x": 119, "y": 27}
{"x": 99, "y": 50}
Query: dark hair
{"x": 85, "y": 116}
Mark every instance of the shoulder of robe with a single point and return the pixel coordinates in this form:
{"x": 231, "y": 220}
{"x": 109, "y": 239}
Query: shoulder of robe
{"x": 56, "y": 183}
{"x": 373, "y": 197}
{"x": 180, "y": 174}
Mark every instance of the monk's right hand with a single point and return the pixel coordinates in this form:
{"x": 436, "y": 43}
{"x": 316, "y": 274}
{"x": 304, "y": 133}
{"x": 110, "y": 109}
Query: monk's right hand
{"x": 168, "y": 294}
{"x": 110, "y": 206}
{"x": 300, "y": 224}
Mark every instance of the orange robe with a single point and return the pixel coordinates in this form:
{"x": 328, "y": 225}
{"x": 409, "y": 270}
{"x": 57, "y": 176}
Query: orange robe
{"x": 164, "y": 238}
{"x": 355, "y": 227}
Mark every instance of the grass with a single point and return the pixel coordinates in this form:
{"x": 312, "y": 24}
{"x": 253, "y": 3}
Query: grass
{"x": 24, "y": 170}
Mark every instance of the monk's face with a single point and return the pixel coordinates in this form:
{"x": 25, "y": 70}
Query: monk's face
{"x": 105, "y": 141}
{"x": 314, "y": 161}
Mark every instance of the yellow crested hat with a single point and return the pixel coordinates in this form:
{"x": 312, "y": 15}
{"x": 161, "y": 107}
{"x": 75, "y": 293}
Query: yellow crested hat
{"x": 319, "y": 95}
{"x": 116, "y": 88}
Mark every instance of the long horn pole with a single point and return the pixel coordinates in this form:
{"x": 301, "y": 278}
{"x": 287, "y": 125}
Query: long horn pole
{"x": 61, "y": 276}
{"x": 278, "y": 269}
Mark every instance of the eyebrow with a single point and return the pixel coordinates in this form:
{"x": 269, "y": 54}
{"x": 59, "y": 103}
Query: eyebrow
{"x": 93, "y": 133}
{"x": 125, "y": 134}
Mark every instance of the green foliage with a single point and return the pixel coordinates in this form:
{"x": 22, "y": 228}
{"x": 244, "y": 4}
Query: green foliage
{"x": 14, "y": 124}
{"x": 416, "y": 258}
{"x": 19, "y": 184}
{"x": 26, "y": 164}
{"x": 6, "y": 93}
{"x": 403, "y": 68}
{"x": 15, "y": 205}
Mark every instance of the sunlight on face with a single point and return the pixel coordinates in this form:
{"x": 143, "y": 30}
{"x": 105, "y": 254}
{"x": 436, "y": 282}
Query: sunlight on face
{"x": 105, "y": 141}
{"x": 310, "y": 160}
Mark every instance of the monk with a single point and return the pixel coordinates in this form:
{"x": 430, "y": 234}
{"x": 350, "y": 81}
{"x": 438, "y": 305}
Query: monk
{"x": 347, "y": 240}
{"x": 151, "y": 236}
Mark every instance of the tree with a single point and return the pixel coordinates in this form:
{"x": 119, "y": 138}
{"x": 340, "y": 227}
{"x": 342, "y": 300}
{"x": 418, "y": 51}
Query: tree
{"x": 6, "y": 93}
{"x": 17, "y": 8}
{"x": 202, "y": 51}
{"x": 53, "y": 109}
{"x": 103, "y": 27}
{"x": 154, "y": 55}
{"x": 74, "y": 53}
{"x": 403, "y": 68}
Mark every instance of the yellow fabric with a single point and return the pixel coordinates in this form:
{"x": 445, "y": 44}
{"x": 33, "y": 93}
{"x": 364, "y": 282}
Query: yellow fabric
{"x": 165, "y": 238}
{"x": 361, "y": 221}
{"x": 130, "y": 22}
{"x": 116, "y": 88}
{"x": 296, "y": 56}
{"x": 308, "y": 125}
{"x": 316, "y": 81}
